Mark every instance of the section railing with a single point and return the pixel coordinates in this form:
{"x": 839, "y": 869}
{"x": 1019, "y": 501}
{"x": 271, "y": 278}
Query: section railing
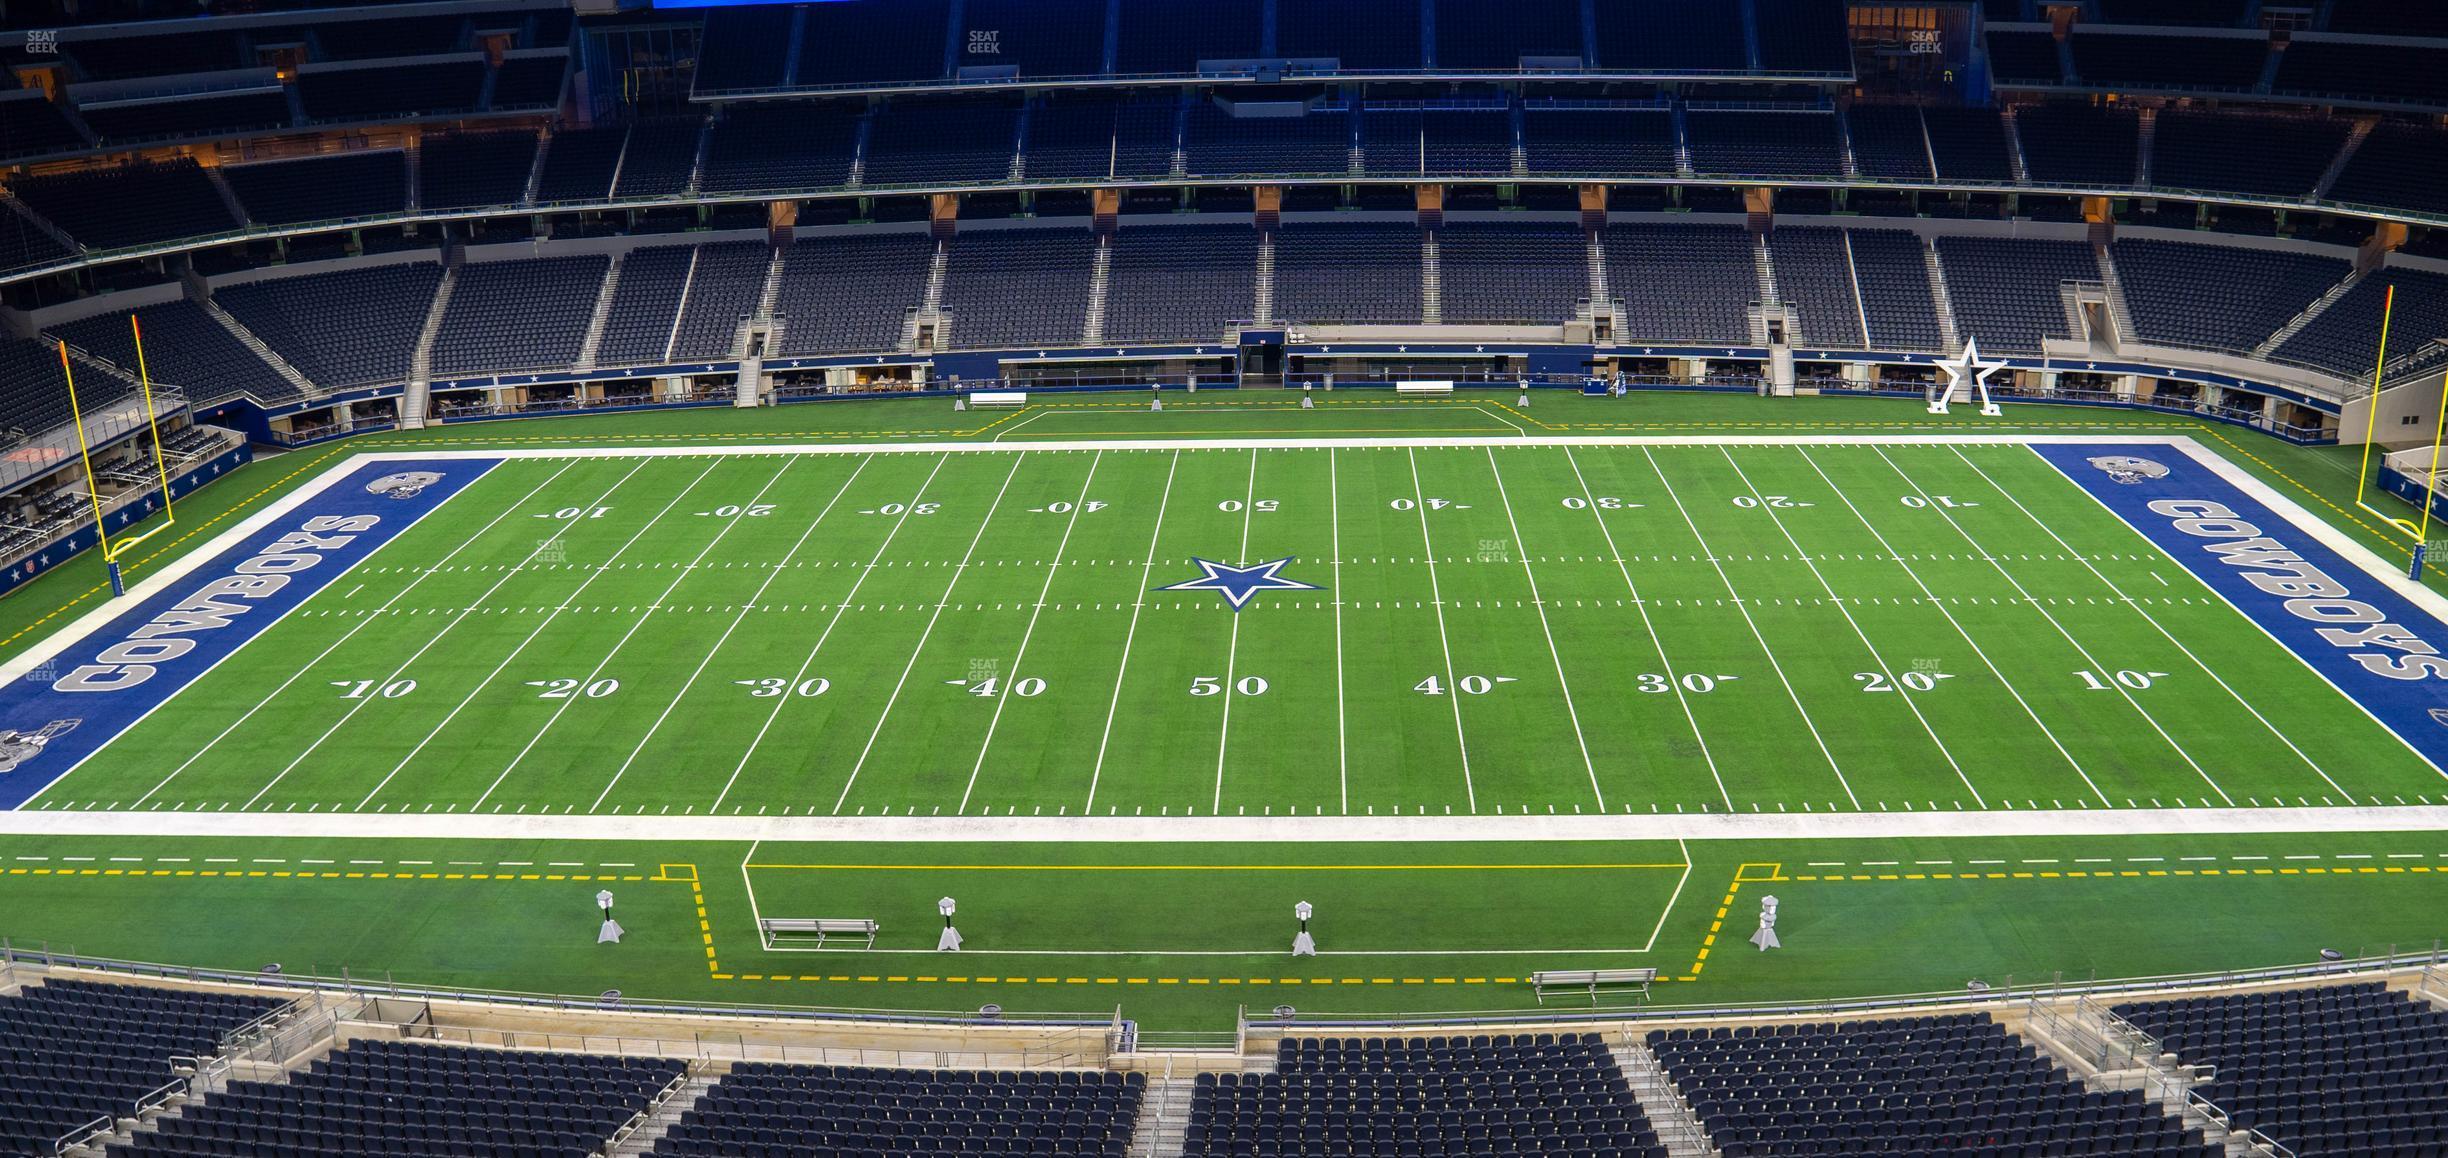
{"x": 47, "y": 451}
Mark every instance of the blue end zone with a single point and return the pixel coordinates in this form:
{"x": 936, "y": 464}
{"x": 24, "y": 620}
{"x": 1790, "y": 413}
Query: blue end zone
{"x": 2354, "y": 629}
{"x": 97, "y": 687}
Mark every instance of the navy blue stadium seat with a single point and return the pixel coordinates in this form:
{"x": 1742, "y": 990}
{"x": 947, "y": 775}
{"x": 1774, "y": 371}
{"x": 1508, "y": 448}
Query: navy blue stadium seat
{"x": 763, "y": 1108}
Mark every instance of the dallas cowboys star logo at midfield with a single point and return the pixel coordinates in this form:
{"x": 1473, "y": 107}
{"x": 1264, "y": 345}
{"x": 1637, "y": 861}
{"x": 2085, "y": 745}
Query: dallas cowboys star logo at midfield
{"x": 1237, "y": 584}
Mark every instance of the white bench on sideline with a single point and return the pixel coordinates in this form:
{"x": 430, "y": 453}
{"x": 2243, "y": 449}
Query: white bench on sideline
{"x": 1423, "y": 388}
{"x": 775, "y": 929}
{"x": 984, "y": 398}
{"x": 1591, "y": 981}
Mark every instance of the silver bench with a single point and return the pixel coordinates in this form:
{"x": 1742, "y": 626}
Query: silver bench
{"x": 776, "y": 930}
{"x": 1591, "y": 981}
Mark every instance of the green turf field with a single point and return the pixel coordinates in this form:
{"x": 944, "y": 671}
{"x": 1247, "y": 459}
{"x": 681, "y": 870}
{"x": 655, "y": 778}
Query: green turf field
{"x": 913, "y": 665}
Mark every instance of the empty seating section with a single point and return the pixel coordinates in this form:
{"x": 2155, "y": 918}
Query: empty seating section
{"x": 1500, "y": 1094}
{"x": 2079, "y": 145}
{"x": 1157, "y": 36}
{"x": 744, "y": 49}
{"x": 849, "y": 294}
{"x": 34, "y": 398}
{"x": 2030, "y": 57}
{"x": 1390, "y": 141}
{"x": 1682, "y": 282}
{"x": 1004, "y": 288}
{"x": 767, "y": 1108}
{"x": 2397, "y": 166}
{"x": 185, "y": 116}
{"x": 138, "y": 204}
{"x": 1957, "y": 1084}
{"x": 2342, "y": 338}
{"x": 854, "y": 42}
{"x": 125, "y": 57}
{"x": 1887, "y": 142}
{"x": 469, "y": 170}
{"x": 658, "y": 158}
{"x": 1764, "y": 144}
{"x": 397, "y": 1098}
{"x": 1567, "y": 140}
{"x": 723, "y": 291}
{"x": 2274, "y": 156}
{"x": 321, "y": 188}
{"x": 1970, "y": 144}
{"x": 1316, "y": 142}
{"x": 31, "y": 126}
{"x": 2209, "y": 63}
{"x": 2379, "y": 72}
{"x": 1891, "y": 273}
{"x": 1492, "y": 272}
{"x": 378, "y": 39}
{"x": 2338, "y": 1070}
{"x": 75, "y": 1051}
{"x": 185, "y": 347}
{"x": 2201, "y": 13}
{"x": 22, "y": 243}
{"x": 1039, "y": 38}
{"x": 645, "y": 305}
{"x": 940, "y": 144}
{"x": 528, "y": 314}
{"x": 2387, "y": 18}
{"x": 1364, "y": 35}
{"x": 1676, "y": 36}
{"x": 1499, "y": 36}
{"x": 579, "y": 164}
{"x": 530, "y": 82}
{"x": 1473, "y": 141}
{"x": 781, "y": 146}
{"x": 2217, "y": 297}
{"x": 353, "y": 327}
{"x": 1180, "y": 283}
{"x": 1091, "y": 137}
{"x": 1802, "y": 36}
{"x": 424, "y": 89}
{"x": 2006, "y": 289}
{"x": 1327, "y": 272}
{"x": 1815, "y": 281}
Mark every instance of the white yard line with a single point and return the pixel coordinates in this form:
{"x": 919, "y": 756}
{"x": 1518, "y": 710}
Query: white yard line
{"x": 1522, "y": 548}
{"x": 746, "y": 609}
{"x": 1673, "y": 678}
{"x": 839, "y": 610}
{"x": 944, "y": 601}
{"x": 455, "y": 620}
{"x": 421, "y": 576}
{"x": 1334, "y": 522}
{"x": 1940, "y": 605}
{"x": 1756, "y": 636}
{"x": 680, "y": 576}
{"x": 2170, "y": 636}
{"x": 1017, "y": 425}
{"x": 1003, "y": 694}
{"x": 1683, "y": 847}
{"x": 599, "y": 571}
{"x": 1419, "y": 505}
{"x": 1114, "y": 706}
{"x": 1232, "y": 649}
{"x": 1885, "y": 668}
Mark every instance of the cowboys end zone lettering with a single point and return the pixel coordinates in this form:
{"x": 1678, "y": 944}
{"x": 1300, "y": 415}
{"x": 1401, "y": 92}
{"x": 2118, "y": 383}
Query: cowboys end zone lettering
{"x": 67, "y": 708}
{"x": 2341, "y": 620}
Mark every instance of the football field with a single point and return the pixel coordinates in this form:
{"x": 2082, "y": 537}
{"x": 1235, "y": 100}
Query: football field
{"x": 1494, "y": 703}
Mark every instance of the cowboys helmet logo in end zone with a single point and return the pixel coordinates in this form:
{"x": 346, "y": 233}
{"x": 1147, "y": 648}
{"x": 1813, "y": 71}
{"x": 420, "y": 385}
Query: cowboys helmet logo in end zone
{"x": 2127, "y": 469}
{"x": 404, "y": 485}
{"x": 18, "y": 747}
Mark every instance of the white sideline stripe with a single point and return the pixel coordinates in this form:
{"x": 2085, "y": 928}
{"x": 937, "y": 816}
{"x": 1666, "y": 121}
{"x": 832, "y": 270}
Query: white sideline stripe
{"x": 345, "y": 636}
{"x": 1020, "y": 657}
{"x": 941, "y": 602}
{"x": 1572, "y": 713}
{"x": 1148, "y": 829}
{"x": 1674, "y": 679}
{"x": 1113, "y": 706}
{"x": 2079, "y": 648}
{"x": 511, "y": 658}
{"x": 1885, "y": 668}
{"x": 1940, "y": 605}
{"x": 758, "y": 596}
{"x": 1436, "y": 594}
{"x": 1756, "y": 635}
{"x": 839, "y": 610}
